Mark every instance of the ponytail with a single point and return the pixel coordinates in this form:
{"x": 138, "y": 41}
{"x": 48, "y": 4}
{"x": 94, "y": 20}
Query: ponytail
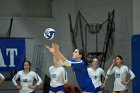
{"x": 82, "y": 53}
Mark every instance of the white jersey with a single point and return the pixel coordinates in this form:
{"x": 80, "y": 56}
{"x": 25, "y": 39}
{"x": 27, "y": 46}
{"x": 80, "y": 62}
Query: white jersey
{"x": 95, "y": 75}
{"x": 58, "y": 76}
{"x": 1, "y": 76}
{"x": 120, "y": 75}
{"x": 26, "y": 80}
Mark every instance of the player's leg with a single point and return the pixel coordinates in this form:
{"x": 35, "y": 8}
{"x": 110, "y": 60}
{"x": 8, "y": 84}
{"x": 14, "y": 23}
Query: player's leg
{"x": 86, "y": 92}
{"x": 60, "y": 92}
{"x": 100, "y": 92}
{"x": 124, "y": 91}
{"x": 51, "y": 92}
{"x": 115, "y": 92}
{"x": 92, "y": 92}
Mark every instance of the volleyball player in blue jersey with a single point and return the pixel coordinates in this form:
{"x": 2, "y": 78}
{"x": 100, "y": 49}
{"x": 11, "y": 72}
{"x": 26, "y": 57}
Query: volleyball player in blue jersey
{"x": 79, "y": 67}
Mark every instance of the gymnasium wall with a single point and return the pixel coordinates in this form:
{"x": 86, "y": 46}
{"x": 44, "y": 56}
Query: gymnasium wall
{"x": 95, "y": 11}
{"x": 32, "y": 28}
{"x": 25, "y": 8}
{"x": 136, "y": 17}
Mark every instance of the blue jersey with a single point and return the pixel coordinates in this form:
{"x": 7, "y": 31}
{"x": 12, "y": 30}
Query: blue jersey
{"x": 80, "y": 69}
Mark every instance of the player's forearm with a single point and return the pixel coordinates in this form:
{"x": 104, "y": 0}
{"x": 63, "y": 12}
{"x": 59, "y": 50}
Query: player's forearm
{"x": 36, "y": 85}
{"x": 111, "y": 67}
{"x": 129, "y": 81}
{"x": 63, "y": 59}
{"x": 131, "y": 74}
{"x": 104, "y": 82}
{"x": 56, "y": 58}
{"x": 110, "y": 70}
{"x": 14, "y": 81}
{"x": 39, "y": 82}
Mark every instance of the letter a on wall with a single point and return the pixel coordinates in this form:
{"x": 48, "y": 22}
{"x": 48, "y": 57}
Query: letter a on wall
{"x": 12, "y": 54}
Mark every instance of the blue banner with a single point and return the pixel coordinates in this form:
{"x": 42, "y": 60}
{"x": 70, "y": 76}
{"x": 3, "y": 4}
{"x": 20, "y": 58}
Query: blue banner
{"x": 135, "y": 62}
{"x": 12, "y": 54}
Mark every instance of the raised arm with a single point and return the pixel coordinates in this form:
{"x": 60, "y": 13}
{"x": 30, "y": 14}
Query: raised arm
{"x": 56, "y": 52}
{"x": 56, "y": 58}
{"x": 111, "y": 69}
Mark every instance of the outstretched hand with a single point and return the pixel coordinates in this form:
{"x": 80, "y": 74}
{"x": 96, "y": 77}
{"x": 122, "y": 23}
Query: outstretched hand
{"x": 55, "y": 47}
{"x": 50, "y": 49}
{"x": 114, "y": 62}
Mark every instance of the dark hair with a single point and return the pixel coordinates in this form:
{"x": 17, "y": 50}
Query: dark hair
{"x": 82, "y": 52}
{"x": 28, "y": 63}
{"x": 119, "y": 56}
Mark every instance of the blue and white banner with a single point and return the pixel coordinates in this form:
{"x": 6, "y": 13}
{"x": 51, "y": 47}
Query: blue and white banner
{"x": 12, "y": 54}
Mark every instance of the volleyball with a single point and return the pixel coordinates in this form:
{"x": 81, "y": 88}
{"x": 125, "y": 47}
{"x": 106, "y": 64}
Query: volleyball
{"x": 49, "y": 33}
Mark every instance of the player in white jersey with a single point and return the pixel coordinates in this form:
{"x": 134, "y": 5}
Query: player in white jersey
{"x": 95, "y": 73}
{"x": 2, "y": 78}
{"x": 121, "y": 71}
{"x": 58, "y": 77}
{"x": 26, "y": 77}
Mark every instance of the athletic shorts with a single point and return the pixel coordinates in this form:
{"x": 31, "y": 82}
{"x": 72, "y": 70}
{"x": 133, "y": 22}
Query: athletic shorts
{"x": 98, "y": 89}
{"x": 56, "y": 89}
{"x": 89, "y": 88}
